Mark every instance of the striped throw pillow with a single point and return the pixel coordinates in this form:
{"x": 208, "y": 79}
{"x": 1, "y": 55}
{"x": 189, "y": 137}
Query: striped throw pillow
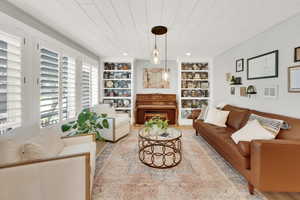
{"x": 272, "y": 125}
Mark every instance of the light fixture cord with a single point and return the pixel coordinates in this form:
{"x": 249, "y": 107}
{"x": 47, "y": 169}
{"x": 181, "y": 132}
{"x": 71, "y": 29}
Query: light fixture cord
{"x": 166, "y": 52}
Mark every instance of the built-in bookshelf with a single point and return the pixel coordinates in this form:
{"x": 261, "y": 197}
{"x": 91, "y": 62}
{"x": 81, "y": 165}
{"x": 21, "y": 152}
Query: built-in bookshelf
{"x": 117, "y": 86}
{"x": 194, "y": 88}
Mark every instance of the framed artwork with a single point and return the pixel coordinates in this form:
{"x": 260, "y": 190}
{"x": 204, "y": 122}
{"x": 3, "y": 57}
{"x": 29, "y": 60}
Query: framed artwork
{"x": 232, "y": 90}
{"x": 294, "y": 79}
{"x": 263, "y": 66}
{"x": 243, "y": 92}
{"x": 153, "y": 78}
{"x": 239, "y": 65}
{"x": 271, "y": 91}
{"x": 297, "y": 54}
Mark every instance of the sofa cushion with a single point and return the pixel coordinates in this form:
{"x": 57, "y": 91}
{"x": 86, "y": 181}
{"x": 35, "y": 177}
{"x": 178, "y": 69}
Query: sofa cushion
{"x": 219, "y": 138}
{"x": 50, "y": 140}
{"x": 216, "y": 117}
{"x": 33, "y": 151}
{"x": 236, "y": 118}
{"x": 244, "y": 148}
{"x": 210, "y": 128}
{"x": 252, "y": 131}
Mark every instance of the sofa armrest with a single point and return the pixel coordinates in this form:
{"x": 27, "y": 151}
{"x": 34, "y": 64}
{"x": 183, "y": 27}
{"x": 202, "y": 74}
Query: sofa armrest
{"x": 47, "y": 179}
{"x": 78, "y": 139}
{"x": 275, "y": 165}
{"x": 195, "y": 114}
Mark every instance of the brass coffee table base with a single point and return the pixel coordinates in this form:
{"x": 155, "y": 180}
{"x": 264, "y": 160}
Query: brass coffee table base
{"x": 160, "y": 154}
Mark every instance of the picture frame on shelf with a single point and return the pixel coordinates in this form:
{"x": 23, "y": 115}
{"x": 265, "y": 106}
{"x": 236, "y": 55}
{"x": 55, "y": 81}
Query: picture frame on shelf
{"x": 297, "y": 54}
{"x": 294, "y": 79}
{"x": 243, "y": 92}
{"x": 239, "y": 65}
{"x": 263, "y": 66}
{"x": 232, "y": 90}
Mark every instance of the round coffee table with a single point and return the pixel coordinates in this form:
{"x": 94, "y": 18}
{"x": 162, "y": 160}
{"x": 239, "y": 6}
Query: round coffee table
{"x": 160, "y": 150}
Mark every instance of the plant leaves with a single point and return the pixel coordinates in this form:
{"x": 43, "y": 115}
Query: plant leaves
{"x": 105, "y": 123}
{"x": 66, "y": 127}
{"x": 103, "y": 115}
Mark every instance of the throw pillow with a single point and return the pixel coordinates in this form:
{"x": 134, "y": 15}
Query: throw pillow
{"x": 270, "y": 124}
{"x": 252, "y": 131}
{"x": 216, "y": 117}
{"x": 203, "y": 113}
{"x": 237, "y": 118}
{"x": 33, "y": 151}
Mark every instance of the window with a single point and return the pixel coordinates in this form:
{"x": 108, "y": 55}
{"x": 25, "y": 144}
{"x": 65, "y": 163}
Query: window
{"x": 95, "y": 84}
{"x": 68, "y": 87}
{"x": 49, "y": 87}
{"x": 10, "y": 82}
{"x": 85, "y": 86}
{"x": 89, "y": 84}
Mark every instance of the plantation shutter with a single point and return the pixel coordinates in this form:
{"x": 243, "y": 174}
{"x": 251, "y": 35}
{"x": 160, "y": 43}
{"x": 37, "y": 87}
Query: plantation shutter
{"x": 10, "y": 82}
{"x": 94, "y": 83}
{"x": 49, "y": 87}
{"x": 68, "y": 87}
{"x": 86, "y": 86}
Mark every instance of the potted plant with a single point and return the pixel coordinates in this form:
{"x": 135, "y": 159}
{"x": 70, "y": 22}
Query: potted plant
{"x": 86, "y": 123}
{"x": 156, "y": 126}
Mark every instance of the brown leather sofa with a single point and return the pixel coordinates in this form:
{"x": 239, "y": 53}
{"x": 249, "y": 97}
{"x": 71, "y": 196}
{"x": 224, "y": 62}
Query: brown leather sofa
{"x": 268, "y": 165}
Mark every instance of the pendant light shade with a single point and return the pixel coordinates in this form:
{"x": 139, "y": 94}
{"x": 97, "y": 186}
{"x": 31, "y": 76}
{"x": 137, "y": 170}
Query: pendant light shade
{"x": 155, "y": 56}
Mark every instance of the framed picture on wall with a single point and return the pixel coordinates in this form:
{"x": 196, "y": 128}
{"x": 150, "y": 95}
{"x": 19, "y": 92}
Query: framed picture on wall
{"x": 263, "y": 66}
{"x": 294, "y": 78}
{"x": 297, "y": 54}
{"x": 239, "y": 65}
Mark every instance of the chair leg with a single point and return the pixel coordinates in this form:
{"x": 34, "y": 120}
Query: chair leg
{"x": 250, "y": 188}
{"x": 197, "y": 133}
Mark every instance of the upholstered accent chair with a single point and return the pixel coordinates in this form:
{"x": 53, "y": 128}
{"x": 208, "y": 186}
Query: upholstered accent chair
{"x": 61, "y": 168}
{"x": 119, "y": 123}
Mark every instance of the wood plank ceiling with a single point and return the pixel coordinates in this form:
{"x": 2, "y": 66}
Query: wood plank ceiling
{"x": 203, "y": 27}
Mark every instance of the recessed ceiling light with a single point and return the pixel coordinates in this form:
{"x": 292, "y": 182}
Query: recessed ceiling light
{"x": 188, "y": 54}
{"x": 125, "y": 54}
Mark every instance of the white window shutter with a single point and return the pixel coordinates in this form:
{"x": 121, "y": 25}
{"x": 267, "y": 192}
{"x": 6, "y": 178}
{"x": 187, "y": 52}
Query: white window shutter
{"x": 68, "y": 78}
{"x": 10, "y": 82}
{"x": 49, "y": 87}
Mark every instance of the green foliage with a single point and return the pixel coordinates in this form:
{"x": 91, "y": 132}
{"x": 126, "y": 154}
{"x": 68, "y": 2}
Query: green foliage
{"x": 156, "y": 121}
{"x": 87, "y": 122}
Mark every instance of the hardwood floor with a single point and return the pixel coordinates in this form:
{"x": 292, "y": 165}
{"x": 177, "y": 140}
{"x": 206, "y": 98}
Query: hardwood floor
{"x": 268, "y": 195}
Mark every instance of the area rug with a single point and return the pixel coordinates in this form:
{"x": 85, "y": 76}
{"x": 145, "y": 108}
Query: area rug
{"x": 202, "y": 174}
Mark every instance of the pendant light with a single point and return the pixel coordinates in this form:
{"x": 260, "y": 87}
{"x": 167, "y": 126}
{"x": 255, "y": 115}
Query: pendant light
{"x": 155, "y": 54}
{"x": 160, "y": 30}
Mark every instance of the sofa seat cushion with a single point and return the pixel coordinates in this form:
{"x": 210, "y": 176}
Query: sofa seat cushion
{"x": 212, "y": 128}
{"x": 220, "y": 138}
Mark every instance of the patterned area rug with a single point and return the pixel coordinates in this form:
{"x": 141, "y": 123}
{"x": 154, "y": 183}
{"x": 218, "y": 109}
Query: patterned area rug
{"x": 202, "y": 174}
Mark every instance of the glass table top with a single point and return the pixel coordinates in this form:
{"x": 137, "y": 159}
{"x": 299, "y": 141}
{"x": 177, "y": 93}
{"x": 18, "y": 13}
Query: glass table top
{"x": 157, "y": 134}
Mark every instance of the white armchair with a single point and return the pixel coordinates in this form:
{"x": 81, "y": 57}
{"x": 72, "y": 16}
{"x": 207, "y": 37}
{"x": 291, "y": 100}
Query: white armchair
{"x": 119, "y": 124}
{"x": 68, "y": 175}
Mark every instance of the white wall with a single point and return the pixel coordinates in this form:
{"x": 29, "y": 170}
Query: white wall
{"x": 284, "y": 37}
{"x": 173, "y": 76}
